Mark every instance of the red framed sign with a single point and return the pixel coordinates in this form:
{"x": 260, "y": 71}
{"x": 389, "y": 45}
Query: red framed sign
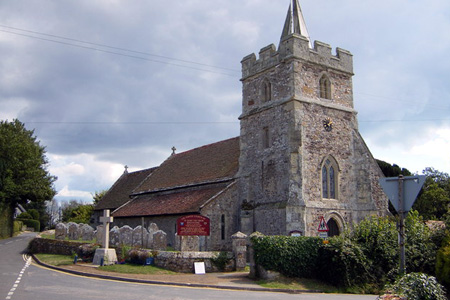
{"x": 193, "y": 225}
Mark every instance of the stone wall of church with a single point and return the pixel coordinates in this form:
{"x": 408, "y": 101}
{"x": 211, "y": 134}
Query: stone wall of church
{"x": 224, "y": 218}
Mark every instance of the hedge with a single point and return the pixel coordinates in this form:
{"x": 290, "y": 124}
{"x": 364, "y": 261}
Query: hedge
{"x": 18, "y": 225}
{"x": 291, "y": 256}
{"x": 31, "y": 223}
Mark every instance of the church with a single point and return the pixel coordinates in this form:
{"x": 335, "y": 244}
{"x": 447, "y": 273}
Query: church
{"x": 299, "y": 158}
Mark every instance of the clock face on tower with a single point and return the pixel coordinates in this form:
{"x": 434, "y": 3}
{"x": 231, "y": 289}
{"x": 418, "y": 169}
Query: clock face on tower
{"x": 328, "y": 124}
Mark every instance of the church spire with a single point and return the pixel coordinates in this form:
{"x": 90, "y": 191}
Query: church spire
{"x": 295, "y": 23}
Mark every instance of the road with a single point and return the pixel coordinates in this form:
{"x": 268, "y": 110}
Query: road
{"x": 21, "y": 280}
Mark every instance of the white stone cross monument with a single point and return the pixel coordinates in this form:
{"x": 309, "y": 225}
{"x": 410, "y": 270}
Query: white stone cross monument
{"x": 105, "y": 255}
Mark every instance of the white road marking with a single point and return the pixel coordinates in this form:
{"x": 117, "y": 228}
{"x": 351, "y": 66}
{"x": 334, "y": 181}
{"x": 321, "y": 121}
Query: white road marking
{"x": 16, "y": 284}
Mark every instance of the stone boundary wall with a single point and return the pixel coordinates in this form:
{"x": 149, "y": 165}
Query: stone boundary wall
{"x": 48, "y": 246}
{"x": 184, "y": 261}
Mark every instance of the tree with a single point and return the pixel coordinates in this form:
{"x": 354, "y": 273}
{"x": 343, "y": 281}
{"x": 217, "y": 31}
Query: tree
{"x": 52, "y": 211}
{"x": 23, "y": 173}
{"x": 434, "y": 199}
{"x": 98, "y": 196}
{"x": 392, "y": 170}
{"x": 77, "y": 211}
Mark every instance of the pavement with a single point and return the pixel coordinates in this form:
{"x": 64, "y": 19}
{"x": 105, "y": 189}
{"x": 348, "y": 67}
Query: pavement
{"x": 229, "y": 281}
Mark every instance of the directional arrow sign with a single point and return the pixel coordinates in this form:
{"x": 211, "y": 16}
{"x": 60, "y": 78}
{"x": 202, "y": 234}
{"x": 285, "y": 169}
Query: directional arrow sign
{"x": 411, "y": 188}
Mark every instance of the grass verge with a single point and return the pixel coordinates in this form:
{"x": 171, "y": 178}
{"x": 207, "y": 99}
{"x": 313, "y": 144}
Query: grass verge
{"x": 282, "y": 282}
{"x": 64, "y": 260}
{"x": 55, "y": 259}
{"x": 136, "y": 269}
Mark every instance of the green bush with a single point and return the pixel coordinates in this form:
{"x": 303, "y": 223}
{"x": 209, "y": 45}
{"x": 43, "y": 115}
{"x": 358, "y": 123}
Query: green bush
{"x": 443, "y": 264}
{"x": 86, "y": 252}
{"x": 33, "y": 213}
{"x": 418, "y": 286}
{"x": 25, "y": 215}
{"x": 18, "y": 226}
{"x": 31, "y": 223}
{"x": 291, "y": 256}
{"x": 420, "y": 250}
{"x": 221, "y": 260}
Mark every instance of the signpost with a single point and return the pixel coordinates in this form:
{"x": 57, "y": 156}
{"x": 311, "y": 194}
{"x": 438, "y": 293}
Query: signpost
{"x": 323, "y": 229}
{"x": 402, "y": 192}
{"x": 193, "y": 225}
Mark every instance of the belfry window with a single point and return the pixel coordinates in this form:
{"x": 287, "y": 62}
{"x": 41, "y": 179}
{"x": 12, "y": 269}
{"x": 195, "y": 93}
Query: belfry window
{"x": 324, "y": 87}
{"x": 267, "y": 91}
{"x": 329, "y": 179}
{"x": 265, "y": 138}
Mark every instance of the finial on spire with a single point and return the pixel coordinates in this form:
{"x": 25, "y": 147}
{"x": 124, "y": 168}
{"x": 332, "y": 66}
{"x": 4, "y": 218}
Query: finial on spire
{"x": 295, "y": 23}
{"x": 126, "y": 169}
{"x": 173, "y": 150}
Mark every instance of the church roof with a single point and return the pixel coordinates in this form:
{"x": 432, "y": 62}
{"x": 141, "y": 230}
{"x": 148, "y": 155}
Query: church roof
{"x": 169, "y": 203}
{"x": 120, "y": 192}
{"x": 295, "y": 23}
{"x": 207, "y": 164}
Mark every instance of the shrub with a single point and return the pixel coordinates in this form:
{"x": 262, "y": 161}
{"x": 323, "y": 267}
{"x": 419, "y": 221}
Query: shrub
{"x": 291, "y": 256}
{"x": 420, "y": 250}
{"x": 31, "y": 223}
{"x": 86, "y": 252}
{"x": 343, "y": 263}
{"x": 221, "y": 260}
{"x": 443, "y": 264}
{"x": 419, "y": 286}
{"x": 25, "y": 215}
{"x": 18, "y": 226}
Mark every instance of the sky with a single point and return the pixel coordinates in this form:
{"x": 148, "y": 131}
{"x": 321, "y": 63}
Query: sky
{"x": 109, "y": 83}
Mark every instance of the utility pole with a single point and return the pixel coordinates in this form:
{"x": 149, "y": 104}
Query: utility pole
{"x": 401, "y": 229}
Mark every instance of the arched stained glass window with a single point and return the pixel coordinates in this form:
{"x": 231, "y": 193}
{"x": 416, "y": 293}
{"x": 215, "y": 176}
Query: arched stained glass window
{"x": 332, "y": 184}
{"x": 329, "y": 179}
{"x": 324, "y": 182}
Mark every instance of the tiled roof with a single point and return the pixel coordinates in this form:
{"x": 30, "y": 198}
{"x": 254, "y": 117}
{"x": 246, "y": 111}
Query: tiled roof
{"x": 172, "y": 203}
{"x": 209, "y": 163}
{"x": 120, "y": 192}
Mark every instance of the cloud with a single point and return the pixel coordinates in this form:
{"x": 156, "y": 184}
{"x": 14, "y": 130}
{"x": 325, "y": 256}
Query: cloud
{"x": 154, "y": 75}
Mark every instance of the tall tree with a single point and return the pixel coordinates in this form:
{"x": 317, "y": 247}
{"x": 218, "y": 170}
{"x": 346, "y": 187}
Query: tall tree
{"x": 98, "y": 196}
{"x": 23, "y": 167}
{"x": 434, "y": 199}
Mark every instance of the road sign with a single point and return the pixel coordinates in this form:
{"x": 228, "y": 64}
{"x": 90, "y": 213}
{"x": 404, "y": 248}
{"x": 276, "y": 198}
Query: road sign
{"x": 323, "y": 235}
{"x": 402, "y": 192}
{"x": 411, "y": 188}
{"x": 323, "y": 227}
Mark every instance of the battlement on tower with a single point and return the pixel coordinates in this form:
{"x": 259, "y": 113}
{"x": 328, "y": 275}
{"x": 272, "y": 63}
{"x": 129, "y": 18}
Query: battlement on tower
{"x": 297, "y": 47}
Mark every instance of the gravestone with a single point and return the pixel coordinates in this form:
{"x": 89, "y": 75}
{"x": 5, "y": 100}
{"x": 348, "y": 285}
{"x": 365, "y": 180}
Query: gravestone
{"x": 159, "y": 240}
{"x": 87, "y": 232}
{"x": 60, "y": 231}
{"x": 151, "y": 230}
{"x": 73, "y": 232}
{"x": 99, "y": 234}
{"x": 126, "y": 235}
{"x": 114, "y": 237}
{"x": 190, "y": 243}
{"x": 105, "y": 256}
{"x": 139, "y": 237}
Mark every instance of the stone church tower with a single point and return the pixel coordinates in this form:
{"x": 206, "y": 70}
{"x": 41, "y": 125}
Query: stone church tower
{"x": 301, "y": 155}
